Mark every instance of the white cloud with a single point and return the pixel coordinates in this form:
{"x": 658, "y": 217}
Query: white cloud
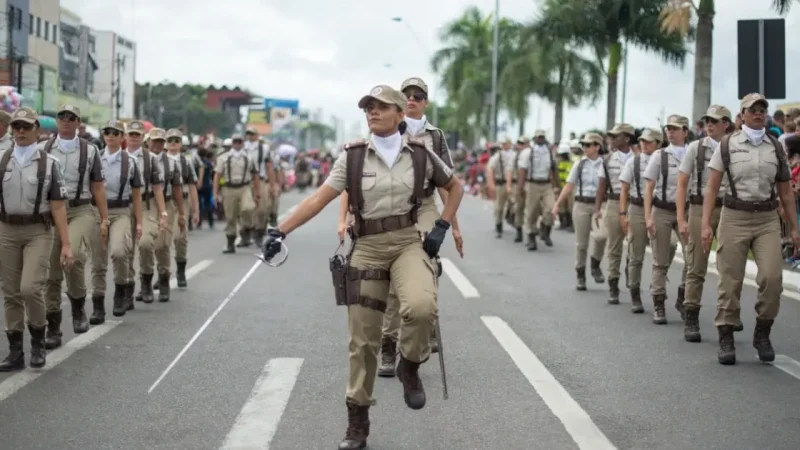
{"x": 327, "y": 54}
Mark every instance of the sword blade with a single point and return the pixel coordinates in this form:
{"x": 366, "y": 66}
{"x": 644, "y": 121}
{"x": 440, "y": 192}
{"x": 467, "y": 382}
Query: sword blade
{"x": 441, "y": 359}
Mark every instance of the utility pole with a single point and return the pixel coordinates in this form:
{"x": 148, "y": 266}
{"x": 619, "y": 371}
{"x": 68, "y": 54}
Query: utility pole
{"x": 10, "y": 57}
{"x": 120, "y": 64}
{"x": 495, "y": 48}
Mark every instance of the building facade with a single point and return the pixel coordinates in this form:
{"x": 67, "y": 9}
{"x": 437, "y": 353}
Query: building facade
{"x": 40, "y": 72}
{"x": 77, "y": 63}
{"x": 116, "y": 62}
{"x": 15, "y": 44}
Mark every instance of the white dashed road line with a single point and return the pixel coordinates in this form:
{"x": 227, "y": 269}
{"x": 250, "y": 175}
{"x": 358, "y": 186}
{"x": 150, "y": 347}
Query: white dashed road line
{"x": 459, "y": 279}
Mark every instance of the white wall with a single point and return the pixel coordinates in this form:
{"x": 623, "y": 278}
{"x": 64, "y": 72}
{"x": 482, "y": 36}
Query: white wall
{"x": 41, "y": 51}
{"x": 108, "y": 48}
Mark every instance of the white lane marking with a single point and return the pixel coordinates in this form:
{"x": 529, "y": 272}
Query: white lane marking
{"x": 192, "y": 271}
{"x": 575, "y": 420}
{"x": 54, "y": 358}
{"x": 459, "y": 279}
{"x": 236, "y": 288}
{"x": 258, "y": 420}
{"x": 788, "y": 365}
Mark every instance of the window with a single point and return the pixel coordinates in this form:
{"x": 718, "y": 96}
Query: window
{"x": 38, "y": 27}
{"x": 30, "y": 27}
{"x": 55, "y": 34}
{"x": 46, "y": 30}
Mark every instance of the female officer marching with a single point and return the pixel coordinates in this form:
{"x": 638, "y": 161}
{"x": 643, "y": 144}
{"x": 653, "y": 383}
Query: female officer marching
{"x": 386, "y": 178}
{"x": 32, "y": 195}
{"x": 755, "y": 167}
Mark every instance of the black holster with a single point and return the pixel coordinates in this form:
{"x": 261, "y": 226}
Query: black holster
{"x": 339, "y": 266}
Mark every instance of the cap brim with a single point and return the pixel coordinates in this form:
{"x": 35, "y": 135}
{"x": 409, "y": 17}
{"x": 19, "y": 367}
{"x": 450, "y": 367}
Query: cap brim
{"x": 648, "y": 139}
{"x": 715, "y": 116}
{"x": 68, "y": 111}
{"x": 766, "y": 103}
{"x": 589, "y": 142}
{"x": 25, "y": 120}
{"x": 403, "y": 89}
{"x": 365, "y": 100}
{"x": 675, "y": 124}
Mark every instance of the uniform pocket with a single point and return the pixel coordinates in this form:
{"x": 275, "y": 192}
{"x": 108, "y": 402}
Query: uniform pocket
{"x": 368, "y": 183}
{"x": 32, "y": 187}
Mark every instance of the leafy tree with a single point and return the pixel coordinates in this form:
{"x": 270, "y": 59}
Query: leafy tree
{"x": 168, "y": 105}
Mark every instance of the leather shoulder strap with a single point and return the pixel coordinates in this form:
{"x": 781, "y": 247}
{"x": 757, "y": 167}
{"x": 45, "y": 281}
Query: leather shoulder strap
{"x": 48, "y": 146}
{"x": 664, "y": 173}
{"x": 41, "y": 174}
{"x": 147, "y": 169}
{"x": 780, "y": 152}
{"x": 355, "y": 170}
{"x": 725, "y": 155}
{"x": 609, "y": 188}
{"x": 3, "y": 167}
{"x": 580, "y": 177}
{"x": 419, "y": 160}
{"x": 436, "y": 136}
{"x": 83, "y": 161}
{"x": 700, "y": 163}
{"x": 167, "y": 174}
{"x": 637, "y": 173}
{"x": 124, "y": 174}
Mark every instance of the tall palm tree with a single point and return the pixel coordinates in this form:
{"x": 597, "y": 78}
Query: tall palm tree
{"x": 676, "y": 16}
{"x": 605, "y": 26}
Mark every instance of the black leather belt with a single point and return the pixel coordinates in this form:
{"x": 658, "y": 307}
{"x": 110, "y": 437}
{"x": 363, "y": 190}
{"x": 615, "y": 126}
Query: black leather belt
{"x": 118, "y": 203}
{"x": 79, "y": 202}
{"x": 26, "y": 219}
{"x": 748, "y": 206}
{"x": 581, "y": 199}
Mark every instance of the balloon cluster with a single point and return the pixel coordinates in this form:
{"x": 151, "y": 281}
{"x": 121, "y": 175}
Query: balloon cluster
{"x": 10, "y": 99}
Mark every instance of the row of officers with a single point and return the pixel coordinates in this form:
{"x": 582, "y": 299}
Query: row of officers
{"x": 731, "y": 186}
{"x": 63, "y": 202}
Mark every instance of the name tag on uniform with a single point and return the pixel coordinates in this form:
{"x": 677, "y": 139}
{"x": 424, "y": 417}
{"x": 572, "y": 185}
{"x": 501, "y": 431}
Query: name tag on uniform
{"x": 369, "y": 174}
{"x": 737, "y": 150}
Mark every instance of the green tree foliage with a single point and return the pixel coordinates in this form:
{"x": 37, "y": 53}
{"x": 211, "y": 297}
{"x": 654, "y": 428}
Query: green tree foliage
{"x": 168, "y": 105}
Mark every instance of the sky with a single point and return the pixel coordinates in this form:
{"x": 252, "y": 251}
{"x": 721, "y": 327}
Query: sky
{"x": 327, "y": 54}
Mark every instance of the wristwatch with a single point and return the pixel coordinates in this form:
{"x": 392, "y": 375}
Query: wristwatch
{"x": 164, "y": 214}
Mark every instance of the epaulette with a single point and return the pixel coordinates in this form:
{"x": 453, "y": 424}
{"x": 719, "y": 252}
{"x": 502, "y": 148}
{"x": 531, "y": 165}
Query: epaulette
{"x": 416, "y": 141}
{"x": 355, "y": 144}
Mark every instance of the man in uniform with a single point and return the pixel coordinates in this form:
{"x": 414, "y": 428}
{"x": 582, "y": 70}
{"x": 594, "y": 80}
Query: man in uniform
{"x": 83, "y": 176}
{"x": 262, "y": 155}
{"x": 516, "y": 197}
{"x": 242, "y": 186}
{"x": 496, "y": 171}
{"x": 538, "y": 173}
{"x": 189, "y": 178}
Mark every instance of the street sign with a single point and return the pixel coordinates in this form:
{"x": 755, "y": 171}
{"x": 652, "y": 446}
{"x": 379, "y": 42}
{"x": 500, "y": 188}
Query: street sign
{"x": 270, "y": 103}
{"x": 762, "y": 57}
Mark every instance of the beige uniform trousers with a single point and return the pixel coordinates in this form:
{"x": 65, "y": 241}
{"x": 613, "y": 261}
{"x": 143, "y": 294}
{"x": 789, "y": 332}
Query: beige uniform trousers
{"x": 275, "y": 203}
{"x": 566, "y": 207}
{"x": 81, "y": 225}
{"x": 414, "y": 278}
{"x": 428, "y": 214}
{"x": 696, "y": 257}
{"x": 584, "y": 224}
{"x": 150, "y": 242}
{"x": 614, "y": 238}
{"x": 239, "y": 204}
{"x": 501, "y": 201}
{"x": 99, "y": 259}
{"x": 181, "y": 237}
{"x": 519, "y": 205}
{"x": 120, "y": 245}
{"x": 260, "y": 216}
{"x": 740, "y": 232}
{"x": 666, "y": 224}
{"x": 637, "y": 244}
{"x": 599, "y": 235}
{"x": 25, "y": 262}
{"x": 539, "y": 201}
{"x": 164, "y": 241}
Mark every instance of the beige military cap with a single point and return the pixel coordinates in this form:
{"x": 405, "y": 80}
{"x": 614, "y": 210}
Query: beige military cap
{"x": 507, "y": 141}
{"x": 5, "y": 117}
{"x": 523, "y": 140}
{"x": 539, "y": 133}
{"x": 751, "y": 99}
{"x": 622, "y": 128}
{"x": 676, "y": 120}
{"x": 415, "y": 82}
{"x": 174, "y": 133}
{"x": 114, "y": 125}
{"x": 384, "y": 94}
{"x": 651, "y": 135}
{"x": 592, "y": 138}
{"x": 24, "y": 114}
{"x": 157, "y": 134}
{"x": 718, "y": 112}
{"x": 136, "y": 126}
{"x": 237, "y": 136}
{"x": 251, "y": 130}
{"x": 70, "y": 109}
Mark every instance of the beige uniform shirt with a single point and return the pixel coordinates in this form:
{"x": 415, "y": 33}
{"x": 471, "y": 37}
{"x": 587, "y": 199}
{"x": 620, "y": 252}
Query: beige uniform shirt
{"x": 653, "y": 172}
{"x": 69, "y": 158}
{"x": 236, "y": 168}
{"x": 615, "y": 163}
{"x": 112, "y": 165}
{"x": 543, "y": 162}
{"x": 755, "y": 168}
{"x": 6, "y": 142}
{"x": 156, "y": 176}
{"x": 689, "y": 165}
{"x": 628, "y": 175}
{"x": 170, "y": 170}
{"x": 501, "y": 163}
{"x": 426, "y": 136}
{"x": 386, "y": 191}
{"x": 21, "y": 184}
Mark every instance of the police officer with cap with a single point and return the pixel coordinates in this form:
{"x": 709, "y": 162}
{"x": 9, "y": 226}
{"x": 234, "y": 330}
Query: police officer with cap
{"x": 32, "y": 199}
{"x": 242, "y": 187}
{"x": 189, "y": 188}
{"x": 385, "y": 199}
{"x": 757, "y": 174}
{"x": 496, "y": 169}
{"x": 261, "y": 153}
{"x": 83, "y": 177}
{"x": 538, "y": 176}
{"x": 516, "y": 197}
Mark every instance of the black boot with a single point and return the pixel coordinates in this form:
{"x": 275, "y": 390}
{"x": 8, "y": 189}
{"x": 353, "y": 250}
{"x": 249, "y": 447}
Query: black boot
{"x": 636, "y": 300}
{"x": 258, "y": 238}
{"x": 761, "y": 340}
{"x": 163, "y": 287}
{"x": 562, "y": 221}
{"x": 691, "y": 324}
{"x": 498, "y": 230}
{"x": 679, "y": 301}
{"x": 80, "y": 324}
{"x": 120, "y": 308}
{"x": 129, "y": 289}
{"x": 16, "y": 357}
{"x": 180, "y": 274}
{"x": 659, "y": 311}
{"x": 570, "y": 224}
{"x": 613, "y": 291}
{"x": 38, "y": 358}
{"x": 388, "y": 357}
{"x": 230, "y": 248}
{"x": 546, "y": 230}
{"x": 273, "y": 220}
{"x": 245, "y": 235}
{"x": 597, "y": 273}
{"x": 727, "y": 350}
{"x": 518, "y": 237}
{"x": 532, "y": 246}
{"x": 211, "y": 220}
{"x": 355, "y": 437}
{"x": 99, "y": 310}
{"x": 413, "y": 391}
{"x": 581, "y": 271}
{"x": 146, "y": 288}
{"x": 53, "y": 337}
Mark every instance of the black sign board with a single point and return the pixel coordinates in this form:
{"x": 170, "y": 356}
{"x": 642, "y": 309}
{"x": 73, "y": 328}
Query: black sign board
{"x": 762, "y": 57}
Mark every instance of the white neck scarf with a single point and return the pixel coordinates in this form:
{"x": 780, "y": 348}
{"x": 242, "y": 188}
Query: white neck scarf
{"x": 388, "y": 147}
{"x": 415, "y": 125}
{"x": 111, "y": 154}
{"x": 67, "y": 145}
{"x": 24, "y": 155}
{"x": 755, "y": 136}
{"x": 679, "y": 152}
{"x": 236, "y": 153}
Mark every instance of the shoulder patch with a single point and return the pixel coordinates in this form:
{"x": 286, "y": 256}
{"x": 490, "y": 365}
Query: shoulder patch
{"x": 355, "y": 144}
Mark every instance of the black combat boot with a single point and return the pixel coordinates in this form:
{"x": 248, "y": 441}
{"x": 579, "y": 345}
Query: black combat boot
{"x": 230, "y": 248}
{"x": 761, "y": 340}
{"x": 120, "y": 308}
{"x": 532, "y": 245}
{"x": 80, "y": 323}
{"x": 570, "y": 224}
{"x": 52, "y": 338}
{"x": 562, "y": 221}
{"x": 38, "y": 358}
{"x": 258, "y": 238}
{"x": 659, "y": 311}
{"x": 727, "y": 350}
{"x": 129, "y": 290}
{"x": 180, "y": 274}
{"x": 597, "y": 273}
{"x": 434, "y": 341}
{"x": 273, "y": 220}
{"x": 613, "y": 291}
{"x": 355, "y": 437}
{"x": 679, "y": 301}
{"x": 146, "y": 288}
{"x": 388, "y": 355}
{"x": 581, "y": 272}
{"x": 636, "y": 300}
{"x": 691, "y": 324}
{"x": 16, "y": 357}
{"x": 546, "y": 230}
{"x": 413, "y": 391}
{"x": 245, "y": 235}
{"x": 738, "y": 327}
{"x": 498, "y": 230}
{"x": 518, "y": 237}
{"x": 98, "y": 310}
{"x": 163, "y": 287}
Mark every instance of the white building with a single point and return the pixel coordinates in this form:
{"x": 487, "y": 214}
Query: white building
{"x": 115, "y": 77}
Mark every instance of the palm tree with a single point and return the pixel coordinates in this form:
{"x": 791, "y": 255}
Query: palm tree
{"x": 676, "y": 16}
{"x": 605, "y": 26}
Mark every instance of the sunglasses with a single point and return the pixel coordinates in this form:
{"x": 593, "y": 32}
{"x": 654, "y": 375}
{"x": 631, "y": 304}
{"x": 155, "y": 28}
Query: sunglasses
{"x": 416, "y": 96}
{"x": 67, "y": 117}
{"x": 18, "y": 126}
{"x": 757, "y": 109}
{"x": 134, "y": 133}
{"x": 109, "y": 132}
{"x": 238, "y": 141}
{"x": 588, "y": 144}
{"x": 174, "y": 140}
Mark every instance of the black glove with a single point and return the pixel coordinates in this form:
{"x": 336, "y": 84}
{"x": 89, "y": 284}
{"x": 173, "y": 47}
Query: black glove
{"x": 434, "y": 239}
{"x": 272, "y": 245}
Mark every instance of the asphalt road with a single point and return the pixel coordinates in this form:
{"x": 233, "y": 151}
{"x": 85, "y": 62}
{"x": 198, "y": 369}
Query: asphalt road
{"x": 262, "y": 359}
